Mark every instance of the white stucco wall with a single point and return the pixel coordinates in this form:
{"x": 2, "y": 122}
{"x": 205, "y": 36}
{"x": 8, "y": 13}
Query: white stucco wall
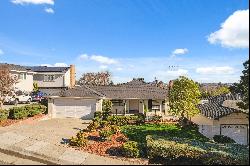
{"x": 210, "y": 127}
{"x": 24, "y": 84}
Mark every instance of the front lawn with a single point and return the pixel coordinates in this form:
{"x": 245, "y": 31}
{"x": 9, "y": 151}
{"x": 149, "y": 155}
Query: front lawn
{"x": 138, "y": 133}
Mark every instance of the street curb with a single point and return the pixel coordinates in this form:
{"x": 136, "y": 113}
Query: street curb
{"x": 34, "y": 156}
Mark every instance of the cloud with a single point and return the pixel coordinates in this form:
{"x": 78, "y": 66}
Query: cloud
{"x": 215, "y": 70}
{"x": 1, "y": 52}
{"x": 179, "y": 51}
{"x": 34, "y": 2}
{"x": 83, "y": 57}
{"x": 234, "y": 32}
{"x": 103, "y": 59}
{"x": 49, "y": 10}
{"x": 119, "y": 68}
{"x": 103, "y": 66}
{"x": 55, "y": 65}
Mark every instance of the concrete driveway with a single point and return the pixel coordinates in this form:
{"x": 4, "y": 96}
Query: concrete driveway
{"x": 54, "y": 131}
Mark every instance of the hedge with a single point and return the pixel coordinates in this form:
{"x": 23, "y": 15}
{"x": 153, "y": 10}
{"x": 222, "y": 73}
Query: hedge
{"x": 125, "y": 120}
{"x": 25, "y": 111}
{"x": 4, "y": 114}
{"x": 176, "y": 149}
{"x": 130, "y": 149}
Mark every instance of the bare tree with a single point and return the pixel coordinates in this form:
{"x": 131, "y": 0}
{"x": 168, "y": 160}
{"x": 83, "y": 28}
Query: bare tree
{"x": 100, "y": 78}
{"x": 6, "y": 83}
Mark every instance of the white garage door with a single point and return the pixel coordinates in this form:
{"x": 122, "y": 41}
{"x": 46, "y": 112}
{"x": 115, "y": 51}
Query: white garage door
{"x": 237, "y": 132}
{"x": 76, "y": 108}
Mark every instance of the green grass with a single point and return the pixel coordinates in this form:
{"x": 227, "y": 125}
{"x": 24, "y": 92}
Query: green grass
{"x": 138, "y": 133}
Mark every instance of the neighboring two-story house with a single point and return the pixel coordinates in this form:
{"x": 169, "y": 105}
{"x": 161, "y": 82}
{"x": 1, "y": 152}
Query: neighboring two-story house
{"x": 24, "y": 76}
{"x": 48, "y": 79}
{"x": 53, "y": 79}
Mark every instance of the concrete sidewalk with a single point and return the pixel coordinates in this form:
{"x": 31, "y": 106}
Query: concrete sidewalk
{"x": 47, "y": 153}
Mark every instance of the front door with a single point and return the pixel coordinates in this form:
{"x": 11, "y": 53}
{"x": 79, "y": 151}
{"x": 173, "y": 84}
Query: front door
{"x": 133, "y": 106}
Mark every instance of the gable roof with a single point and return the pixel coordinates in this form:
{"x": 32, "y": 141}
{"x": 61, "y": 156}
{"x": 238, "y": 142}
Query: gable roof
{"x": 135, "y": 89}
{"x": 47, "y": 69}
{"x": 14, "y": 67}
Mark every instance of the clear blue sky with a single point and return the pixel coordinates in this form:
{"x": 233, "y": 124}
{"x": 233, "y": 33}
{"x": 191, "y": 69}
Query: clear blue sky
{"x": 130, "y": 38}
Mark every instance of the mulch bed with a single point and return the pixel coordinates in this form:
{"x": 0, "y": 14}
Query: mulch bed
{"x": 109, "y": 148}
{"x": 27, "y": 120}
{"x": 96, "y": 145}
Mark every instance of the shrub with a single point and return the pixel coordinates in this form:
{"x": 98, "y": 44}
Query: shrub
{"x": 104, "y": 123}
{"x": 93, "y": 125}
{"x": 106, "y": 133}
{"x": 156, "y": 118}
{"x": 130, "y": 149}
{"x": 115, "y": 129}
{"x": 18, "y": 113}
{"x": 194, "y": 151}
{"x": 122, "y": 138}
{"x": 80, "y": 140}
{"x": 140, "y": 118}
{"x": 121, "y": 120}
{"x": 223, "y": 139}
{"x": 33, "y": 112}
{"x": 171, "y": 149}
{"x": 98, "y": 114}
{"x": 106, "y": 109}
{"x": 4, "y": 114}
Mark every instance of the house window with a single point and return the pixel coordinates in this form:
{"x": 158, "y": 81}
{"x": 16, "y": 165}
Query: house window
{"x": 22, "y": 76}
{"x": 117, "y": 102}
{"x": 49, "y": 78}
{"x": 155, "y": 107}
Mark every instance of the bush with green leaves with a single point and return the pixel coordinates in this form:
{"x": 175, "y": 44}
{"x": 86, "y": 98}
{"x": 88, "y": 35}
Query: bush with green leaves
{"x": 194, "y": 151}
{"x": 98, "y": 114}
{"x": 115, "y": 129}
{"x": 106, "y": 109}
{"x": 80, "y": 140}
{"x": 122, "y": 120}
{"x": 131, "y": 149}
{"x": 18, "y": 113}
{"x": 94, "y": 125}
{"x": 25, "y": 111}
{"x": 104, "y": 123}
{"x": 4, "y": 114}
{"x": 223, "y": 139}
{"x": 105, "y": 133}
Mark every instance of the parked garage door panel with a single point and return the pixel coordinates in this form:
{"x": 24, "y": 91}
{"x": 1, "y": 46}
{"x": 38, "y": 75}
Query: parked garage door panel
{"x": 77, "y": 108}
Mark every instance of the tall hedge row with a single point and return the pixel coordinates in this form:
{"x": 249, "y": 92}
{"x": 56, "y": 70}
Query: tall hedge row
{"x": 194, "y": 151}
{"x": 22, "y": 112}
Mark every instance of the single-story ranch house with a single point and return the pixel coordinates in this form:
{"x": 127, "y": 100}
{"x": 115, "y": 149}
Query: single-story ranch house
{"x": 218, "y": 117}
{"x": 128, "y": 98}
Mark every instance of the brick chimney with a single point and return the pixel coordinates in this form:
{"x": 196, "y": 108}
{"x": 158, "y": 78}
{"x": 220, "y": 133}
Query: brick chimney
{"x": 72, "y": 76}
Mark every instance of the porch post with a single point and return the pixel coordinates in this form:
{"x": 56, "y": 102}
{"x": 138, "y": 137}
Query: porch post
{"x": 143, "y": 106}
{"x": 161, "y": 106}
{"x": 125, "y": 106}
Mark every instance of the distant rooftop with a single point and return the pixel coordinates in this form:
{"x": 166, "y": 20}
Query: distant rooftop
{"x": 47, "y": 69}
